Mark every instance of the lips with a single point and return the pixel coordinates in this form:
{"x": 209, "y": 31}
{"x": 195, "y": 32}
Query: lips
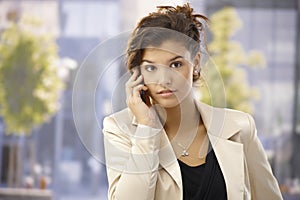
{"x": 166, "y": 93}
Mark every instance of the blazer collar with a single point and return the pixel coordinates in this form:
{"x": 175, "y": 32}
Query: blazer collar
{"x": 216, "y": 121}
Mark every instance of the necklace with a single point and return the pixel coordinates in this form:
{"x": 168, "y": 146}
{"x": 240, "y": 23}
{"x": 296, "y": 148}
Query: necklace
{"x": 181, "y": 149}
{"x": 184, "y": 152}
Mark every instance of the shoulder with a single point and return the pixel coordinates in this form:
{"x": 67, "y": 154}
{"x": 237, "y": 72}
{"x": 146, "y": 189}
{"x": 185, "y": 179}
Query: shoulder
{"x": 245, "y": 123}
{"x": 242, "y": 119}
{"x": 118, "y": 119}
{"x": 229, "y": 117}
{"x": 236, "y": 123}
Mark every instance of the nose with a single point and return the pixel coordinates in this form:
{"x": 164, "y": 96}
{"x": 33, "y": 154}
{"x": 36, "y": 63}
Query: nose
{"x": 165, "y": 76}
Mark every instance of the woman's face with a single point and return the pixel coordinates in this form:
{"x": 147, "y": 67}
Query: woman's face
{"x": 168, "y": 72}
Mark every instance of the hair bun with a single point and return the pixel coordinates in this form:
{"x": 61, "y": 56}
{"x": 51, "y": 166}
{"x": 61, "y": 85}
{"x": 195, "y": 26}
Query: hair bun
{"x": 187, "y": 11}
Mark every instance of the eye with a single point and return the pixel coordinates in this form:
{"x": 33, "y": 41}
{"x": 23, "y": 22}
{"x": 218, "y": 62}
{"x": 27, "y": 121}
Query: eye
{"x": 176, "y": 64}
{"x": 150, "y": 68}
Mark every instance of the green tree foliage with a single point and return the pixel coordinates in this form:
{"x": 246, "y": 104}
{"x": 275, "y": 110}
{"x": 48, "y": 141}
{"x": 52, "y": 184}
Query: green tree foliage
{"x": 229, "y": 60}
{"x": 29, "y": 84}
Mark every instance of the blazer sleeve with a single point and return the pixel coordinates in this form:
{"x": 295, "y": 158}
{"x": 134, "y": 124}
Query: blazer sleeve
{"x": 263, "y": 183}
{"x": 131, "y": 160}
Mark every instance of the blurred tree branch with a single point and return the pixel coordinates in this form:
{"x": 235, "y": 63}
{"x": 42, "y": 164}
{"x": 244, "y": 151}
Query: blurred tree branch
{"x": 29, "y": 83}
{"x": 229, "y": 57}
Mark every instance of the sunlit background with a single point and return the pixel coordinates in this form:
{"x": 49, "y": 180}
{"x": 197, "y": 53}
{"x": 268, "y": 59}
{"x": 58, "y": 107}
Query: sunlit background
{"x": 45, "y": 156}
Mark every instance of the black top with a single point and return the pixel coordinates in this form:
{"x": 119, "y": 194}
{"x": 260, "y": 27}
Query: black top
{"x": 203, "y": 182}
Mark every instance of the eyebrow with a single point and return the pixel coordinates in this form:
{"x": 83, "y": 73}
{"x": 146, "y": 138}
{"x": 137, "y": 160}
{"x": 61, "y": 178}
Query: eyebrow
{"x": 148, "y": 61}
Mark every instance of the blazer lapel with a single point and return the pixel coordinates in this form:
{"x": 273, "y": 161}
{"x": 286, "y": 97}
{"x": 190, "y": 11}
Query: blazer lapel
{"x": 220, "y": 129}
{"x": 167, "y": 157}
{"x": 168, "y": 160}
{"x": 230, "y": 157}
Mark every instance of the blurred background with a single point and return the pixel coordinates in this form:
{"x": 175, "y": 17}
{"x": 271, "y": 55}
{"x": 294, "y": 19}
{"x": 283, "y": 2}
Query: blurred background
{"x": 254, "y": 43}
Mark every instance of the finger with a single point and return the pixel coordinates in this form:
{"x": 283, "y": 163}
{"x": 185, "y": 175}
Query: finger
{"x": 132, "y": 78}
{"x": 136, "y": 92}
{"x": 138, "y": 81}
{"x": 145, "y": 88}
{"x": 131, "y": 84}
{"x": 134, "y": 96}
{"x": 134, "y": 74}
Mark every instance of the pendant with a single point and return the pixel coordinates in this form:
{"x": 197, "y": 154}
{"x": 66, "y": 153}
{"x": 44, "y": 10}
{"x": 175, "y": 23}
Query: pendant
{"x": 184, "y": 153}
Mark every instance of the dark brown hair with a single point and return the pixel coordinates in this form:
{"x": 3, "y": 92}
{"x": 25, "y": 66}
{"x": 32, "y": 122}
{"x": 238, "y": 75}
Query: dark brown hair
{"x": 165, "y": 24}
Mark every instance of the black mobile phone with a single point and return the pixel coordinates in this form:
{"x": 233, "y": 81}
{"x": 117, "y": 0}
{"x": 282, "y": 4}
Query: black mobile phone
{"x": 143, "y": 95}
{"x": 142, "y": 92}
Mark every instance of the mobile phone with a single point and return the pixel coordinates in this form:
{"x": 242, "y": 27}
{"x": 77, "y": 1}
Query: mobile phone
{"x": 142, "y": 92}
{"x": 143, "y": 96}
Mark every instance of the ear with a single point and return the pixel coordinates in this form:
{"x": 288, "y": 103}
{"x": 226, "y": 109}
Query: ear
{"x": 196, "y": 61}
{"x": 196, "y": 67}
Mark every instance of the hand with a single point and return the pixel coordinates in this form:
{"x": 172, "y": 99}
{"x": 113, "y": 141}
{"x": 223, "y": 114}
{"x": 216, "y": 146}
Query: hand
{"x": 140, "y": 109}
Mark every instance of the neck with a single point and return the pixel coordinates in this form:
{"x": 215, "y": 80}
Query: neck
{"x": 184, "y": 116}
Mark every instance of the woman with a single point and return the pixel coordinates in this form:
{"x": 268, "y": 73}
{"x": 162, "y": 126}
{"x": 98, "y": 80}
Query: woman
{"x": 166, "y": 144}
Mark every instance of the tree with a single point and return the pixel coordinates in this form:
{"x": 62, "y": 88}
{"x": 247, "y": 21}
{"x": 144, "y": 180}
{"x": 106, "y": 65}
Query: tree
{"x": 228, "y": 82}
{"x": 29, "y": 84}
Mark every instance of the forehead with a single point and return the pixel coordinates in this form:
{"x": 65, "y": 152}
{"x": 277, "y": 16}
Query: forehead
{"x": 166, "y": 50}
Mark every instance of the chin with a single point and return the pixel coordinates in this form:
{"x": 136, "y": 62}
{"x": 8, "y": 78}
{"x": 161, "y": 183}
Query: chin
{"x": 168, "y": 103}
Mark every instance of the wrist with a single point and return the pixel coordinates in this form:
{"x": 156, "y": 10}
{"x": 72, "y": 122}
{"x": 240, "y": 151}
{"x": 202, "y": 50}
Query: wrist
{"x": 149, "y": 121}
{"x": 146, "y": 122}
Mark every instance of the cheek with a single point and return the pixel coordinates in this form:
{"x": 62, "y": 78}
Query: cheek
{"x": 187, "y": 77}
{"x": 150, "y": 88}
{"x": 147, "y": 79}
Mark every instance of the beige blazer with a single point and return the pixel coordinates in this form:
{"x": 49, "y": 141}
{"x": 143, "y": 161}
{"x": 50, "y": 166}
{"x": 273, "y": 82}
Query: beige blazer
{"x": 141, "y": 163}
